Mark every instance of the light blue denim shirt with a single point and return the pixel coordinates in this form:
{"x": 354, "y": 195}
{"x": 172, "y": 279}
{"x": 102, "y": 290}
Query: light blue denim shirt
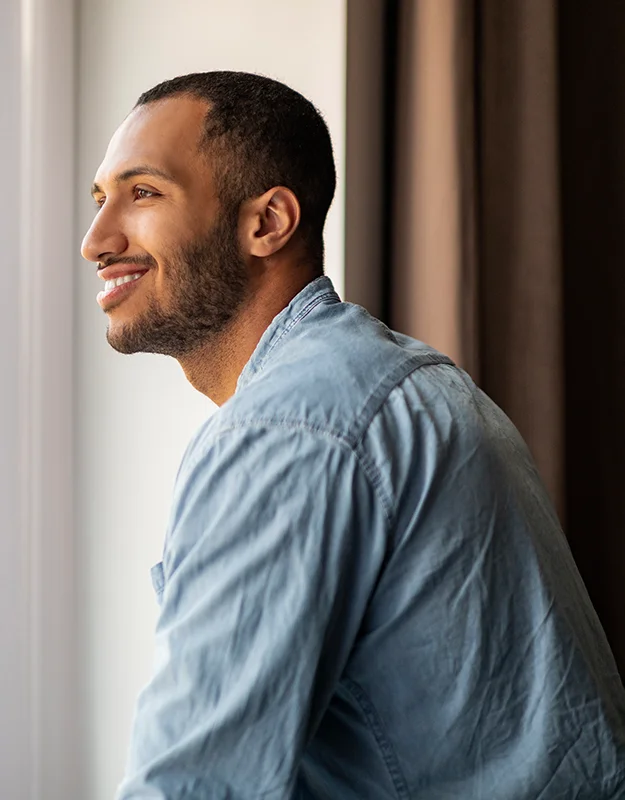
{"x": 366, "y": 595}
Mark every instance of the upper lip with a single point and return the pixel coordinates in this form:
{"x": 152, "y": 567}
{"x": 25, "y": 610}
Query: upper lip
{"x": 119, "y": 270}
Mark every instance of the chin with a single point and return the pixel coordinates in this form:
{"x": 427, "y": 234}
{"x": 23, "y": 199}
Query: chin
{"x": 122, "y": 346}
{"x": 121, "y": 339}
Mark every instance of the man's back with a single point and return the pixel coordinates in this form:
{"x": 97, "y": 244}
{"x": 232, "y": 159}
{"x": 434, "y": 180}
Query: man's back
{"x": 366, "y": 594}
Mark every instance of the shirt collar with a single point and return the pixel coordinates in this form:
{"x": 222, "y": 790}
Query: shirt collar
{"x": 317, "y": 291}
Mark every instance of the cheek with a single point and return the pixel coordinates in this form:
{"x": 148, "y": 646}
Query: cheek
{"x": 152, "y": 233}
{"x": 156, "y": 236}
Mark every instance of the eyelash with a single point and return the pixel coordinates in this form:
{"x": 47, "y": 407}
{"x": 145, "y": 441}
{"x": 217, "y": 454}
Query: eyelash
{"x": 100, "y": 202}
{"x": 147, "y": 191}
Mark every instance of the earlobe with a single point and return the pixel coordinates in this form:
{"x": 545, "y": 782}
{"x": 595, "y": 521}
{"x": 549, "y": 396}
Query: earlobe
{"x": 275, "y": 216}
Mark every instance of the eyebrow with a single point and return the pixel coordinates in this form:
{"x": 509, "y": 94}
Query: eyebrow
{"x": 134, "y": 172}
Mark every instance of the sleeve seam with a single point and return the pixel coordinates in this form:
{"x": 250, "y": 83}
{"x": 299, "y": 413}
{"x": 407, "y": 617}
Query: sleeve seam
{"x": 375, "y": 725}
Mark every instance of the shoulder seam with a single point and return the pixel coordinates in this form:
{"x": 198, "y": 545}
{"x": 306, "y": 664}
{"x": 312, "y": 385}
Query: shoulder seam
{"x": 379, "y": 394}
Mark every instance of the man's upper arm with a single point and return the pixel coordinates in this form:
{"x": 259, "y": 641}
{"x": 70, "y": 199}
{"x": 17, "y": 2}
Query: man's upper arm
{"x": 275, "y": 543}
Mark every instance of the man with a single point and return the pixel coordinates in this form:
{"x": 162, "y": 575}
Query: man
{"x": 364, "y": 591}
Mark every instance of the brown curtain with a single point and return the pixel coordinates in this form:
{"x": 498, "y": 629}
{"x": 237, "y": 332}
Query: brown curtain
{"x": 505, "y": 243}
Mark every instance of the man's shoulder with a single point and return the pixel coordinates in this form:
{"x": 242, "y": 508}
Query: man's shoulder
{"x": 332, "y": 374}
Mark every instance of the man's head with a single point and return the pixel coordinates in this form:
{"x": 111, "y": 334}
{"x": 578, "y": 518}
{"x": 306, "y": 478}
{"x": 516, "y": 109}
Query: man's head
{"x": 212, "y": 180}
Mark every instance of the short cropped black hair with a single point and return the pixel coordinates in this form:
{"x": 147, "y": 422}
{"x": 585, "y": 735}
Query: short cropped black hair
{"x": 261, "y": 134}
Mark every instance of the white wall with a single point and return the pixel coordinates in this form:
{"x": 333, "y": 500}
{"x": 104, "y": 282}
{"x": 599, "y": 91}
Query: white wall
{"x": 134, "y": 415}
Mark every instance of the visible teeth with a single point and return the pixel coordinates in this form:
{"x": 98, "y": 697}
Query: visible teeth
{"x": 108, "y": 285}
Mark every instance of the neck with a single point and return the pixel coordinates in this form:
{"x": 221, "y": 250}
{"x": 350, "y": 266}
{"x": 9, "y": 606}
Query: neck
{"x": 215, "y": 367}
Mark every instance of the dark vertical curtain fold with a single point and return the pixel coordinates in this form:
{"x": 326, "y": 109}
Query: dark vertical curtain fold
{"x": 507, "y": 237}
{"x": 592, "y": 165}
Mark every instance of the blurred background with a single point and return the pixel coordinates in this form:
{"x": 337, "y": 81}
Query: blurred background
{"x": 480, "y": 155}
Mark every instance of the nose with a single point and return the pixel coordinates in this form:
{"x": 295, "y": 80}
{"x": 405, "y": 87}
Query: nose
{"x": 104, "y": 238}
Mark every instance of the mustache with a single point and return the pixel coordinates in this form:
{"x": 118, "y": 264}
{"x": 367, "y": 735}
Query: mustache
{"x": 143, "y": 261}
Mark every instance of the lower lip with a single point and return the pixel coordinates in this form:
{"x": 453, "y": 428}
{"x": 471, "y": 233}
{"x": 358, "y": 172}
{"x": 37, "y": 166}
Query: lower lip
{"x": 113, "y": 297}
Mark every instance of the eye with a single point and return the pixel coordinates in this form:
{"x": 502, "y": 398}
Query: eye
{"x": 99, "y": 202}
{"x": 144, "y": 194}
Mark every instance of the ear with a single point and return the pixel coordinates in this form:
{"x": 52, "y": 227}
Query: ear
{"x": 267, "y": 223}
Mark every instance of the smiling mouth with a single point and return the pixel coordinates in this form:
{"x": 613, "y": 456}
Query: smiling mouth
{"x": 117, "y": 288}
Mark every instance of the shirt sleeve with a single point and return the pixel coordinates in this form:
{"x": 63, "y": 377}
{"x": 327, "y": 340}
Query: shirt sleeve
{"x": 276, "y": 541}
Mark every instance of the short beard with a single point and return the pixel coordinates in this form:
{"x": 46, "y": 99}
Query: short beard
{"x": 208, "y": 283}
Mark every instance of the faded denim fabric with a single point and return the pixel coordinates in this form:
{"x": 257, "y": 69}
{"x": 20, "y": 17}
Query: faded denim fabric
{"x": 366, "y": 595}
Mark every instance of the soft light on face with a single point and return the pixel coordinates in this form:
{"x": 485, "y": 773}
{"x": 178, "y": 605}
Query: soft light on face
{"x": 170, "y": 256}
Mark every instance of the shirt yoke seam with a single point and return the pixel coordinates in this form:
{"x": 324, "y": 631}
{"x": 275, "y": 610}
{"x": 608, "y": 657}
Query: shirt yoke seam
{"x": 367, "y": 465}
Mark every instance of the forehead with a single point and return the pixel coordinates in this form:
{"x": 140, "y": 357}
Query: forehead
{"x": 165, "y": 134}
